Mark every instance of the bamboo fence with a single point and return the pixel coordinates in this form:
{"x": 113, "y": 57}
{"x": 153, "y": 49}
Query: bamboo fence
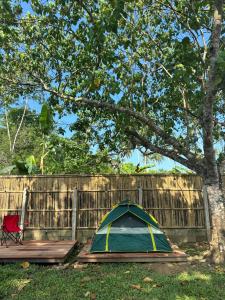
{"x": 176, "y": 201}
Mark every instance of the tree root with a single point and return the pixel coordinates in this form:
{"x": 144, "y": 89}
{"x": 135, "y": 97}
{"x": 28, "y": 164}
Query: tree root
{"x": 214, "y": 257}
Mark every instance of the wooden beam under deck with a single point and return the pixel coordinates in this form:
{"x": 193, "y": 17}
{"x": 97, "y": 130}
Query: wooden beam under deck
{"x": 86, "y": 257}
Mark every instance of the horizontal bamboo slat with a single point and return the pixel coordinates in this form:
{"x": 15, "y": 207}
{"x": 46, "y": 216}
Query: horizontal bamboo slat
{"x": 172, "y": 227}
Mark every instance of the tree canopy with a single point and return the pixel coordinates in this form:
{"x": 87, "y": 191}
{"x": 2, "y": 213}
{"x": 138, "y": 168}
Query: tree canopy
{"x": 137, "y": 73}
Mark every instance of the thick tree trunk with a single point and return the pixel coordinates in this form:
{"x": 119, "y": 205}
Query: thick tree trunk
{"x": 217, "y": 243}
{"x": 210, "y": 97}
{"x": 211, "y": 174}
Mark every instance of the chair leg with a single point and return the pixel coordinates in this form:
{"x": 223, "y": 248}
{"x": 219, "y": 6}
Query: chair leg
{"x": 19, "y": 239}
{"x": 6, "y": 241}
{"x": 15, "y": 237}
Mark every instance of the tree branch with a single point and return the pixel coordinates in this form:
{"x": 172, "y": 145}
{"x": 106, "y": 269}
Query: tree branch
{"x": 194, "y": 165}
{"x": 116, "y": 108}
{"x": 8, "y": 130}
{"x": 18, "y": 129}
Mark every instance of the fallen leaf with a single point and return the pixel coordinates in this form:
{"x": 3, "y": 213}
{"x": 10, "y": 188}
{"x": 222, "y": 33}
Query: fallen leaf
{"x": 147, "y": 279}
{"x": 87, "y": 294}
{"x": 23, "y": 284}
{"x": 219, "y": 269}
{"x": 62, "y": 266}
{"x": 25, "y": 265}
{"x": 157, "y": 285}
{"x": 79, "y": 266}
{"x": 136, "y": 286}
{"x": 93, "y": 296}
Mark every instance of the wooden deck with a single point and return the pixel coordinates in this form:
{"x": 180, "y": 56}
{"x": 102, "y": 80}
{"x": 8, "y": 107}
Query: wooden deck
{"x": 176, "y": 256}
{"x": 37, "y": 251}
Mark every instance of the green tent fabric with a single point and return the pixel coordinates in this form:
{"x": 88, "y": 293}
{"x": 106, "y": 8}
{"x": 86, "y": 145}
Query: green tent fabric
{"x": 128, "y": 228}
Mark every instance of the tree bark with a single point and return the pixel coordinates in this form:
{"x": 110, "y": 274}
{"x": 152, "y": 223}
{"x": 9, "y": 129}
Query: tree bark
{"x": 217, "y": 243}
{"x": 211, "y": 173}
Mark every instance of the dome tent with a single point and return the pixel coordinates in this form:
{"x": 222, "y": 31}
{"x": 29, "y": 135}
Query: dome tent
{"x": 128, "y": 228}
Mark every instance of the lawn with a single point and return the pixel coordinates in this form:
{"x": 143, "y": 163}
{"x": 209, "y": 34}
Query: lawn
{"x": 184, "y": 281}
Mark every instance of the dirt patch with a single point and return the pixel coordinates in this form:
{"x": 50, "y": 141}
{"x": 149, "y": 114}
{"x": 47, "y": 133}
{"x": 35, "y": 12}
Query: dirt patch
{"x": 169, "y": 268}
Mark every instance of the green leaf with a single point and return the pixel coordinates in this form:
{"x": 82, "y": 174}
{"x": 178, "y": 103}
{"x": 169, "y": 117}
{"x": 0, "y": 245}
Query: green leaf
{"x": 46, "y": 119}
{"x": 30, "y": 164}
{"x": 7, "y": 170}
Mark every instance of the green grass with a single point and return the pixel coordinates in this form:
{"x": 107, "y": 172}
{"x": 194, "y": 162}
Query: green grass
{"x": 112, "y": 281}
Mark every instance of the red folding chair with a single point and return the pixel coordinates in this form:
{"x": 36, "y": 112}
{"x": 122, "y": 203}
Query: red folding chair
{"x": 11, "y": 230}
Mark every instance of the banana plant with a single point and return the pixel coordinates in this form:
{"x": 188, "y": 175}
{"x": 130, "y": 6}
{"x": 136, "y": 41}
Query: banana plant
{"x": 21, "y": 167}
{"x": 46, "y": 126}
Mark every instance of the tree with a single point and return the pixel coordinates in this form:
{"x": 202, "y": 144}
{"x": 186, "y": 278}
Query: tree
{"x": 74, "y": 156}
{"x": 150, "y": 74}
{"x": 20, "y": 136}
{"x": 38, "y": 147}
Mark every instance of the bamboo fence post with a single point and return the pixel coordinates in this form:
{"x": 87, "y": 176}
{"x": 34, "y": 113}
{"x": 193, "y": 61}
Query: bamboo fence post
{"x": 24, "y": 207}
{"x": 140, "y": 196}
{"x": 74, "y": 213}
{"x": 206, "y": 210}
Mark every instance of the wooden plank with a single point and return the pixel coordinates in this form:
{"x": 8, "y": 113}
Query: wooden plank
{"x": 133, "y": 259}
{"x": 86, "y": 256}
{"x": 37, "y": 251}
